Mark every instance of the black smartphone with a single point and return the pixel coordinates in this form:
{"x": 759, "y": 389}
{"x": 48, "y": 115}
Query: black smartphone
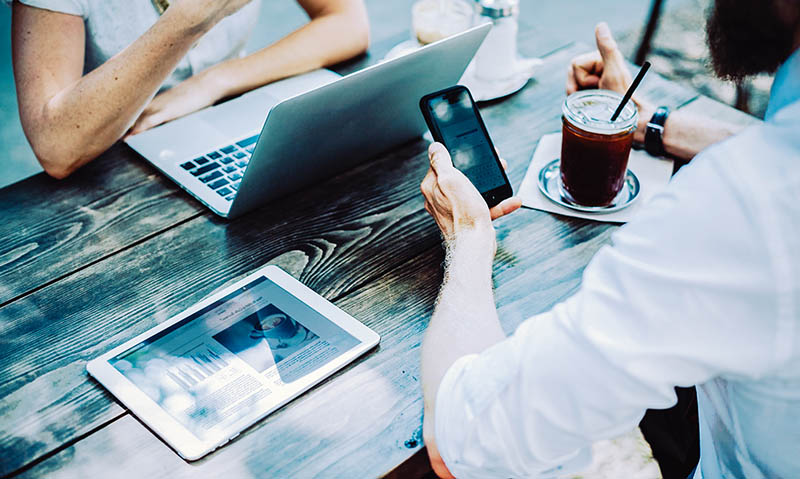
{"x": 455, "y": 122}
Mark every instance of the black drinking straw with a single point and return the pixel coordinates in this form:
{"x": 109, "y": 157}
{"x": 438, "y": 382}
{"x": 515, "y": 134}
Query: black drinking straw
{"x": 630, "y": 91}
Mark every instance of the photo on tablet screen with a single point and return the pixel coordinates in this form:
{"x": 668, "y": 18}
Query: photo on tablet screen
{"x": 266, "y": 338}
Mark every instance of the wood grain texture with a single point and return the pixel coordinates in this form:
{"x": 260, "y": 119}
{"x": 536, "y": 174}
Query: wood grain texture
{"x": 362, "y": 421}
{"x": 51, "y": 228}
{"x": 373, "y": 251}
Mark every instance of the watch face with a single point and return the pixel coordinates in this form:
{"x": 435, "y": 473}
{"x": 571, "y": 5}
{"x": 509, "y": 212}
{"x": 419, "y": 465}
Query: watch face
{"x": 653, "y": 136}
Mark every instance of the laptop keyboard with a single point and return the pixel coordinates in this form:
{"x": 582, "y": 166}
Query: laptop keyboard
{"x": 222, "y": 170}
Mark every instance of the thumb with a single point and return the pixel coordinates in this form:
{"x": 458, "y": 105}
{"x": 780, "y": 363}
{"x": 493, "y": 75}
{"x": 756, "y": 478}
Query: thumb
{"x": 441, "y": 163}
{"x": 606, "y": 44}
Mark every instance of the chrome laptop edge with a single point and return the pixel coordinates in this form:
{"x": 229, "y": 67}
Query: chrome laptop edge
{"x": 317, "y": 125}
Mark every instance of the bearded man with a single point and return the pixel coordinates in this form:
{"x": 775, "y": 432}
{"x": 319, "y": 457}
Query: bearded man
{"x": 702, "y": 288}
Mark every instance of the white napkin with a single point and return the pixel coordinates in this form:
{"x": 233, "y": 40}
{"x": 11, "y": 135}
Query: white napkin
{"x": 653, "y": 174}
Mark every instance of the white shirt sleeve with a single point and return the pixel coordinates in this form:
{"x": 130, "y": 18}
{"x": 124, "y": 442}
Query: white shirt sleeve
{"x": 72, "y": 7}
{"x": 671, "y": 303}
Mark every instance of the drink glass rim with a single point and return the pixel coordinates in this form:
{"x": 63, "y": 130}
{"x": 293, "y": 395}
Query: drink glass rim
{"x": 598, "y": 122}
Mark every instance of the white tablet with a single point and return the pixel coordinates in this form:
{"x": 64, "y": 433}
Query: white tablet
{"x": 203, "y": 376}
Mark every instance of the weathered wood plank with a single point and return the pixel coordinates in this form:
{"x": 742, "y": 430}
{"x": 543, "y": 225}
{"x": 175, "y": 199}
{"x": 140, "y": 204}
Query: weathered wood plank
{"x": 340, "y": 247}
{"x": 335, "y": 248}
{"x": 52, "y": 228}
{"x": 363, "y": 421}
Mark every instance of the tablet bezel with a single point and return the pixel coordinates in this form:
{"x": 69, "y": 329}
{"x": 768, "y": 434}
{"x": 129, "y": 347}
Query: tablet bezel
{"x": 177, "y": 436}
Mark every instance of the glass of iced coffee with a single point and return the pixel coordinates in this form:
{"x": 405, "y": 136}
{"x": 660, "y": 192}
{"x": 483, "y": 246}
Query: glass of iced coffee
{"x": 595, "y": 150}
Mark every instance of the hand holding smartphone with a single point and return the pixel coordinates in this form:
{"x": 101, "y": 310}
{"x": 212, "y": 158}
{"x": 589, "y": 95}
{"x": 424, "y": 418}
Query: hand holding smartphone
{"x": 455, "y": 122}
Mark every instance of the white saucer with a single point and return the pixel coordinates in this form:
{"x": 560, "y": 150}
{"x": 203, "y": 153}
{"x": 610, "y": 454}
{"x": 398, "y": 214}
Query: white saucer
{"x": 486, "y": 90}
{"x": 481, "y": 89}
{"x": 550, "y": 186}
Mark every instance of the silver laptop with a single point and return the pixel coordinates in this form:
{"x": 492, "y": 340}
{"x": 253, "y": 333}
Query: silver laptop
{"x": 317, "y": 125}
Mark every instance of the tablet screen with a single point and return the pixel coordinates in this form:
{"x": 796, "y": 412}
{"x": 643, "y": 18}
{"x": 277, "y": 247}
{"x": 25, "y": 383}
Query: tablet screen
{"x": 217, "y": 365}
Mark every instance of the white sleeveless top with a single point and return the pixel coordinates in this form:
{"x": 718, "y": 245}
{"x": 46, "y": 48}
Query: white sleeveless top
{"x": 112, "y": 25}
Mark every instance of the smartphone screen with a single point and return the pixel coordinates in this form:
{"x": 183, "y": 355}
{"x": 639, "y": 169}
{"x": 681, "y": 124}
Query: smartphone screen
{"x": 454, "y": 121}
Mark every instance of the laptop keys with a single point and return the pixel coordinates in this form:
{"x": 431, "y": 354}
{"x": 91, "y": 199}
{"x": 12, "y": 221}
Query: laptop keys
{"x": 205, "y": 169}
{"x": 230, "y": 160}
{"x": 218, "y": 184}
{"x": 247, "y": 141}
{"x": 211, "y": 176}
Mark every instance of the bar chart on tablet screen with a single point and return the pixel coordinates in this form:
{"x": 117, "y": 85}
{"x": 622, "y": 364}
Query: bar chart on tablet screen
{"x": 196, "y": 366}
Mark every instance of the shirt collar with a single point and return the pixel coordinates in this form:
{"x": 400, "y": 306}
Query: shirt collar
{"x": 786, "y": 86}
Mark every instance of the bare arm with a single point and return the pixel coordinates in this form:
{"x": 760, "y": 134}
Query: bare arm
{"x": 685, "y": 134}
{"x": 70, "y": 119}
{"x": 465, "y": 318}
{"x": 338, "y": 30}
{"x": 464, "y": 322}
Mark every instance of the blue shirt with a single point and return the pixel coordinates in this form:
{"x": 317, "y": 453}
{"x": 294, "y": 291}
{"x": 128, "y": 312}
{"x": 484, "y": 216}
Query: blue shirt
{"x": 703, "y": 287}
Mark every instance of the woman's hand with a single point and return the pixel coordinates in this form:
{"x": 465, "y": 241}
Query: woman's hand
{"x": 192, "y": 94}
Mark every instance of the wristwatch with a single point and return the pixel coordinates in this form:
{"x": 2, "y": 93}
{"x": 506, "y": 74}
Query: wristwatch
{"x": 654, "y": 135}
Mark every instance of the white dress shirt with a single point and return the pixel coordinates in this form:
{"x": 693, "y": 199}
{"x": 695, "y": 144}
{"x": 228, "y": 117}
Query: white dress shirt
{"x": 112, "y": 25}
{"x": 702, "y": 288}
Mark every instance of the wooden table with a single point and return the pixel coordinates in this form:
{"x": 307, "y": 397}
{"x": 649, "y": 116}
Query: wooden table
{"x": 91, "y": 261}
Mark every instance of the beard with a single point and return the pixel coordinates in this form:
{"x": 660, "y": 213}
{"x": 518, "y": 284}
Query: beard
{"x": 747, "y": 37}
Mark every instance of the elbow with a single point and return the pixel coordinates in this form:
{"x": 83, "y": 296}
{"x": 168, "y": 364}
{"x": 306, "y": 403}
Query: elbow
{"x": 56, "y": 169}
{"x": 57, "y": 164}
{"x": 58, "y": 158}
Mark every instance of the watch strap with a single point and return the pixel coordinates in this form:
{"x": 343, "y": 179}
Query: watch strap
{"x": 654, "y": 135}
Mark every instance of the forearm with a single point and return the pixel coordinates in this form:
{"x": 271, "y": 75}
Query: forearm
{"x": 465, "y": 318}
{"x": 685, "y": 134}
{"x": 84, "y": 119}
{"x": 326, "y": 40}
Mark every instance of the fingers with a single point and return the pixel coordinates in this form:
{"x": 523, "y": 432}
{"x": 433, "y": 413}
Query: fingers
{"x": 145, "y": 122}
{"x": 584, "y": 72}
{"x": 606, "y": 44}
{"x": 504, "y": 164}
{"x": 439, "y": 158}
{"x": 507, "y": 206}
{"x": 427, "y": 185}
{"x": 572, "y": 85}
